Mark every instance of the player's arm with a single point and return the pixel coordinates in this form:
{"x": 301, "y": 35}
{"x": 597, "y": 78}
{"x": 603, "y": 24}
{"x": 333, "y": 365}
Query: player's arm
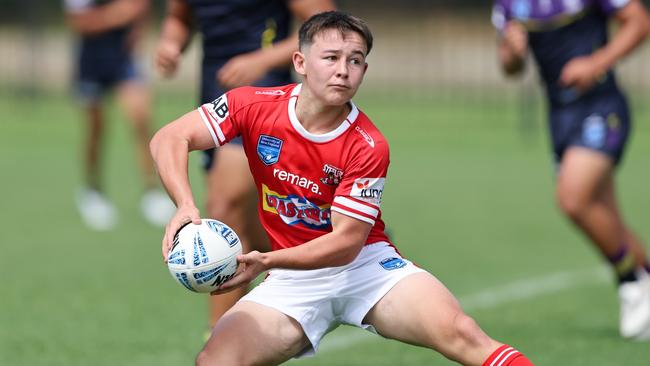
{"x": 245, "y": 69}
{"x": 634, "y": 25}
{"x": 334, "y": 249}
{"x": 170, "y": 148}
{"x": 177, "y": 28}
{"x": 103, "y": 18}
{"x": 512, "y": 48}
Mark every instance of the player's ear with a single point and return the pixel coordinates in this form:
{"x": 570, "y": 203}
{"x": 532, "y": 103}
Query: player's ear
{"x": 365, "y": 68}
{"x": 298, "y": 59}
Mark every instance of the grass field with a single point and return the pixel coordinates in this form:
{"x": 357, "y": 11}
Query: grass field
{"x": 468, "y": 198}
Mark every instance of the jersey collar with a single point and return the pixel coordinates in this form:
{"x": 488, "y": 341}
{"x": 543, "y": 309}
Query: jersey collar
{"x": 326, "y": 137}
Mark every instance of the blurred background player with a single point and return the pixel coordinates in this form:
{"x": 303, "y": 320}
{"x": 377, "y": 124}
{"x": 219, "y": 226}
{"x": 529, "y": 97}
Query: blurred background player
{"x": 108, "y": 33}
{"x": 588, "y": 119}
{"x": 246, "y": 42}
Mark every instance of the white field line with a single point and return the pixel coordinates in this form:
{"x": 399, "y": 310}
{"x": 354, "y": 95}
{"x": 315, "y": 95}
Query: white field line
{"x": 489, "y": 298}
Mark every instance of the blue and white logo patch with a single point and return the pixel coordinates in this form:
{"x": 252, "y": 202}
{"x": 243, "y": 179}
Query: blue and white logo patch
{"x": 390, "y": 264}
{"x": 268, "y": 149}
{"x": 594, "y": 131}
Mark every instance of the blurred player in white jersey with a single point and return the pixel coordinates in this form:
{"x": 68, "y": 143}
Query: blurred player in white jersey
{"x": 108, "y": 33}
{"x": 319, "y": 166}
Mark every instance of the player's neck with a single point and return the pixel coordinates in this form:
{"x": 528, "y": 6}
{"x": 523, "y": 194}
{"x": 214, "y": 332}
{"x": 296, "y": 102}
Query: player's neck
{"x": 318, "y": 118}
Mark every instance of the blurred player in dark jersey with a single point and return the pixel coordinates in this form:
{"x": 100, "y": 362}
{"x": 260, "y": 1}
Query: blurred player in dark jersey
{"x": 589, "y": 121}
{"x": 319, "y": 166}
{"x": 108, "y": 33}
{"x": 245, "y": 42}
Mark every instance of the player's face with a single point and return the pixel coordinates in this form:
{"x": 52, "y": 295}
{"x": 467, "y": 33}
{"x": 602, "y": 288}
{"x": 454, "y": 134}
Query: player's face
{"x": 333, "y": 66}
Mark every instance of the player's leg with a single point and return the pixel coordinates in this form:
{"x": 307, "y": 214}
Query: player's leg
{"x": 231, "y": 198}
{"x": 96, "y": 210}
{"x": 253, "y": 334}
{"x": 135, "y": 99}
{"x": 635, "y": 244}
{"x": 586, "y": 195}
{"x": 94, "y": 116}
{"x": 580, "y": 185}
{"x": 631, "y": 266}
{"x": 420, "y": 310}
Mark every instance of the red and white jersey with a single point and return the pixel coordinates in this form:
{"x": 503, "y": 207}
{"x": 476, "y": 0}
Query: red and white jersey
{"x": 301, "y": 176}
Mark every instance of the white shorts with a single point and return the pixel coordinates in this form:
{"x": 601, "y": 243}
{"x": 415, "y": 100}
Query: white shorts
{"x": 322, "y": 299}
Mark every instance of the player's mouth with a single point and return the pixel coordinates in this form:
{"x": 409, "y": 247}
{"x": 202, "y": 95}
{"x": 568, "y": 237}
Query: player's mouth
{"x": 339, "y": 86}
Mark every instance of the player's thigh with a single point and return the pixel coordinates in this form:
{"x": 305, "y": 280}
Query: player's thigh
{"x": 420, "y": 310}
{"x": 583, "y": 175}
{"x": 230, "y": 182}
{"x": 253, "y": 334}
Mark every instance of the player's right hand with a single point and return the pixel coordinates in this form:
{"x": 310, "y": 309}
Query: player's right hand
{"x": 167, "y": 58}
{"x": 184, "y": 214}
{"x": 515, "y": 37}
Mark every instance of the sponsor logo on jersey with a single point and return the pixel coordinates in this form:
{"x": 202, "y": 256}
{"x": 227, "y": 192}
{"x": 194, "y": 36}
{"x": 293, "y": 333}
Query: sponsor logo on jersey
{"x": 294, "y": 209}
{"x": 333, "y": 175}
{"x": 218, "y": 108}
{"x": 521, "y": 9}
{"x": 594, "y": 131}
{"x": 268, "y": 149}
{"x": 224, "y": 231}
{"x": 270, "y": 92}
{"x": 365, "y": 136}
{"x": 296, "y": 180}
{"x": 390, "y": 264}
{"x": 368, "y": 189}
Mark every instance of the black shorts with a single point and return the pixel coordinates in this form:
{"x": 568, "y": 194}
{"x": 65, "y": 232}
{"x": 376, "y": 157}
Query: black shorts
{"x": 597, "y": 122}
{"x": 210, "y": 91}
{"x": 95, "y": 76}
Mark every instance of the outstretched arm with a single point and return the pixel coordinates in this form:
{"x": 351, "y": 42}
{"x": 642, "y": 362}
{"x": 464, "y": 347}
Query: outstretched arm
{"x": 583, "y": 72}
{"x": 174, "y": 37}
{"x": 247, "y": 68}
{"x": 103, "y": 18}
{"x": 337, "y": 248}
{"x": 170, "y": 149}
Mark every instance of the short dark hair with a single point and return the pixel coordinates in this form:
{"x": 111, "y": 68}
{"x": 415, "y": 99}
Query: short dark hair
{"x": 340, "y": 21}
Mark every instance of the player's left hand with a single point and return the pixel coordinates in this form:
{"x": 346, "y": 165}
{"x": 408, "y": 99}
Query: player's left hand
{"x": 250, "y": 266}
{"x": 582, "y": 73}
{"x": 242, "y": 70}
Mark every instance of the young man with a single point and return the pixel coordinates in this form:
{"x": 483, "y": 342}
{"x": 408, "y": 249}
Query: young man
{"x": 245, "y": 42}
{"x": 589, "y": 122}
{"x": 108, "y": 31}
{"x": 319, "y": 165}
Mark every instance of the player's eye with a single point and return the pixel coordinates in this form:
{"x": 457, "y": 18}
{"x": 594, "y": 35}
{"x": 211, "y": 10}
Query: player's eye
{"x": 330, "y": 58}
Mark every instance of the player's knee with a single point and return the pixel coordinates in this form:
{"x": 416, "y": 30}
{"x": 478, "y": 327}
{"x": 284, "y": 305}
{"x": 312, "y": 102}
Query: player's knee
{"x": 464, "y": 337}
{"x": 570, "y": 205}
{"x": 204, "y": 359}
{"x": 217, "y": 357}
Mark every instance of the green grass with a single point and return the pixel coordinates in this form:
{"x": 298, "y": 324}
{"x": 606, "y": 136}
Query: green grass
{"x": 469, "y": 197}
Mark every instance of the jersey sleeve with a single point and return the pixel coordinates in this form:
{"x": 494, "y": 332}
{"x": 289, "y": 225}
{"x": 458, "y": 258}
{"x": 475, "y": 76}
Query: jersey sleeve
{"x": 76, "y": 6}
{"x": 610, "y": 7}
{"x": 500, "y": 15}
{"x": 360, "y": 191}
{"x": 218, "y": 117}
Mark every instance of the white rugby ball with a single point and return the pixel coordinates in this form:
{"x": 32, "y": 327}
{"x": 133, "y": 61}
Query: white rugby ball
{"x": 204, "y": 256}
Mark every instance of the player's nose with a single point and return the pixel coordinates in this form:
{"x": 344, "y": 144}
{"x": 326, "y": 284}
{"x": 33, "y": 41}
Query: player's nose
{"x": 342, "y": 68}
